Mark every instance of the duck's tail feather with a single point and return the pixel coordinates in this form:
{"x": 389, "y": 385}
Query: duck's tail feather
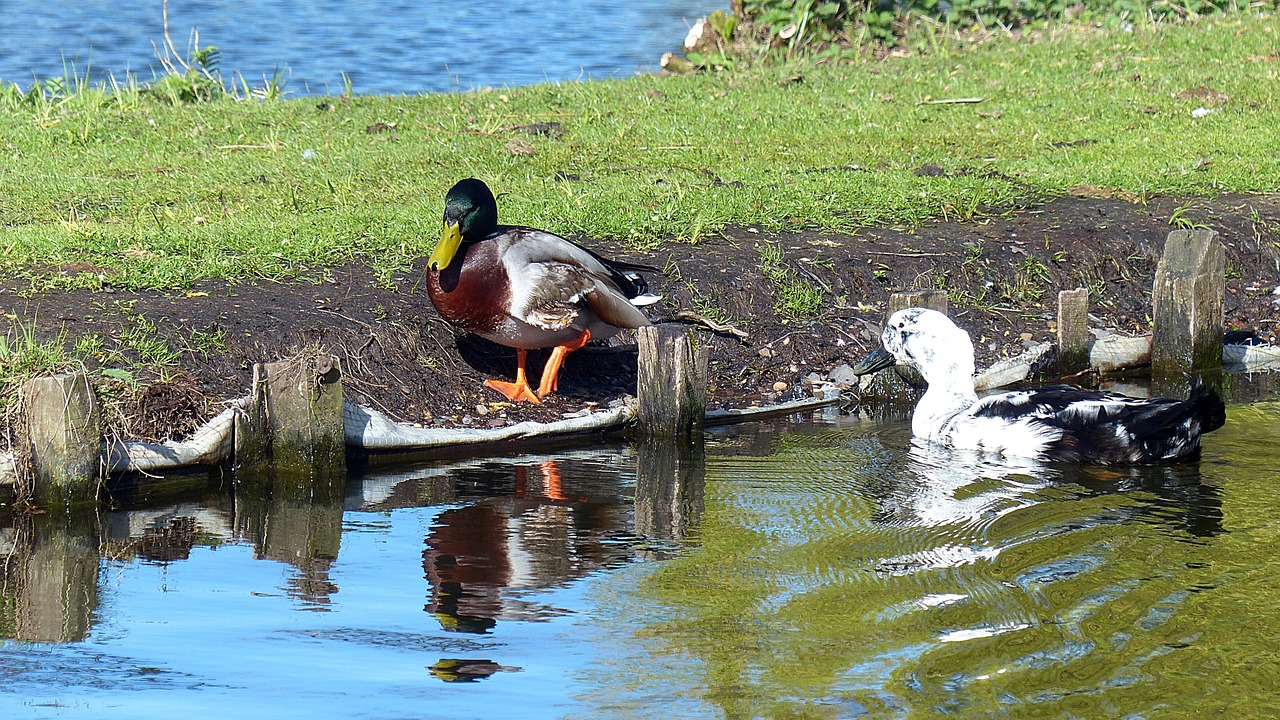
{"x": 1209, "y": 406}
{"x": 1171, "y": 429}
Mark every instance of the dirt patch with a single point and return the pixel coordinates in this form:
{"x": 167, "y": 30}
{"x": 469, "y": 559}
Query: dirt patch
{"x": 1002, "y": 272}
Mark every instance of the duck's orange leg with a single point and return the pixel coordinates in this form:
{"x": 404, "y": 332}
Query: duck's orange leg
{"x": 551, "y": 373}
{"x": 518, "y": 391}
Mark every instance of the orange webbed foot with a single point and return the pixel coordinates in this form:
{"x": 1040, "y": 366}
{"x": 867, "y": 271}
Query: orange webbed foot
{"x": 515, "y": 391}
{"x": 518, "y": 391}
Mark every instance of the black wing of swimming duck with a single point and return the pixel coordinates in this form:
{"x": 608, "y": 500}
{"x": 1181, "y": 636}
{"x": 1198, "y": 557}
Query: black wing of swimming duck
{"x": 1102, "y": 428}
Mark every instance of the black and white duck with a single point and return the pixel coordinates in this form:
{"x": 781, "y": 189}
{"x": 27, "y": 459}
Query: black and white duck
{"x": 1060, "y": 423}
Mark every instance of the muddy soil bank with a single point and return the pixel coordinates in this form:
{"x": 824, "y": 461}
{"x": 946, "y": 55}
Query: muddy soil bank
{"x": 1002, "y": 272}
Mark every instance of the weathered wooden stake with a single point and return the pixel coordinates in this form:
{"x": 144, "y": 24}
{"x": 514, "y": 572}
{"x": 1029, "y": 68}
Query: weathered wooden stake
{"x": 671, "y": 383}
{"x": 900, "y": 386}
{"x": 296, "y": 418}
{"x": 1188, "y": 296}
{"x": 1073, "y": 330}
{"x": 64, "y": 429}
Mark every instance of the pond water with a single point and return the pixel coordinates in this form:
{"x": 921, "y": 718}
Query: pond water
{"x": 811, "y": 567}
{"x": 391, "y": 46}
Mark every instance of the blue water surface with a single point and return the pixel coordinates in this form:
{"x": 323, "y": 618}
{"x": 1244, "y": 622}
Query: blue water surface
{"x": 394, "y": 46}
{"x": 822, "y": 568}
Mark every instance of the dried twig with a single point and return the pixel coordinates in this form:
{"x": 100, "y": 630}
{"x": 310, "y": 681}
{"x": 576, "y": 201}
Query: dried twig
{"x": 692, "y": 318}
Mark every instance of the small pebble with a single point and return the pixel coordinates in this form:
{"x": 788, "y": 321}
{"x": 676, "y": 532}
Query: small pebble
{"x": 779, "y": 386}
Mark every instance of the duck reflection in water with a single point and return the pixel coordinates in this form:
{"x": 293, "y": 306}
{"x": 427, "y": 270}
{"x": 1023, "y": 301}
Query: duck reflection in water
{"x": 975, "y": 499}
{"x": 482, "y": 558}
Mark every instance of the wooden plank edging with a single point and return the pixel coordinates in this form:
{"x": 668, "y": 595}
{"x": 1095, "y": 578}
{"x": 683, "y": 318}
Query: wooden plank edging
{"x": 372, "y": 431}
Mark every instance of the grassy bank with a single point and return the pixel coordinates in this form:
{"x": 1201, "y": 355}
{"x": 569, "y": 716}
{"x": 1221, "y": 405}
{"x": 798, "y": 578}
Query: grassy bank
{"x": 145, "y": 193}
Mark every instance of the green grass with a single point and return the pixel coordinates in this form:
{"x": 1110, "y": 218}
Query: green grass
{"x": 798, "y": 298}
{"x": 157, "y": 194}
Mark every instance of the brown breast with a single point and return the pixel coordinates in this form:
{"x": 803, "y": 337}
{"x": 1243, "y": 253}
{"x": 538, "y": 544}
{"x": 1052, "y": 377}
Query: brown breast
{"x": 473, "y": 292}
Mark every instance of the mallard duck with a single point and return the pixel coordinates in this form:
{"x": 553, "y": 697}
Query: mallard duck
{"x": 1060, "y": 423}
{"x": 526, "y": 288}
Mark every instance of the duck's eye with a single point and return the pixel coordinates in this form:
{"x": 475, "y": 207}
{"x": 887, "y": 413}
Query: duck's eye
{"x": 901, "y": 325}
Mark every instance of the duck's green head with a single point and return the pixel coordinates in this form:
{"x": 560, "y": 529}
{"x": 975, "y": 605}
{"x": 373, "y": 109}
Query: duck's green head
{"x": 470, "y": 214}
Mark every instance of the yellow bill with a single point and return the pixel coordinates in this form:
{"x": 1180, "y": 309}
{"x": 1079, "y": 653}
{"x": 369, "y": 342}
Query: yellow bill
{"x": 450, "y": 241}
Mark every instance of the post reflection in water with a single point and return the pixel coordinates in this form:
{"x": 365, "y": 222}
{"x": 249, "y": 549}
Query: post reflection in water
{"x": 526, "y": 526}
{"x": 49, "y": 567}
{"x": 295, "y": 520}
{"x": 50, "y": 564}
{"x": 670, "y": 494}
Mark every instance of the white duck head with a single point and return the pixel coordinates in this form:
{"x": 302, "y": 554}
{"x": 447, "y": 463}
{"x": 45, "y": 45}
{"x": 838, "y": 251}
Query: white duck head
{"x": 928, "y": 341}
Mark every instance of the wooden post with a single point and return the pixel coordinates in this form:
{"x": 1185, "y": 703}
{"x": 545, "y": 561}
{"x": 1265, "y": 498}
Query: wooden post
{"x": 671, "y": 383}
{"x": 64, "y": 429}
{"x": 1073, "y": 330}
{"x": 298, "y": 408}
{"x": 901, "y": 385}
{"x": 252, "y": 442}
{"x": 1188, "y": 295}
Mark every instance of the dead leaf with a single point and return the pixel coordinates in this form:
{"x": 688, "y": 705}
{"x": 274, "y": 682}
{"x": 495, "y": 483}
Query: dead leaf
{"x": 543, "y": 129}
{"x": 137, "y": 253}
{"x": 1073, "y": 143}
{"x": 1106, "y": 193}
{"x": 519, "y": 147}
{"x": 1208, "y": 96}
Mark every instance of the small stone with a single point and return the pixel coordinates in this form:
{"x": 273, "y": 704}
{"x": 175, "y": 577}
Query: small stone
{"x": 767, "y": 352}
{"x": 779, "y": 386}
{"x": 467, "y": 419}
{"x": 497, "y": 422}
{"x": 482, "y": 410}
{"x": 843, "y": 375}
{"x": 1025, "y": 336}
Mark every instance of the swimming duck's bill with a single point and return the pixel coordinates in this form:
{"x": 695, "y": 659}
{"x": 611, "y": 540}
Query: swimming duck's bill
{"x": 878, "y": 360}
{"x": 450, "y": 241}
